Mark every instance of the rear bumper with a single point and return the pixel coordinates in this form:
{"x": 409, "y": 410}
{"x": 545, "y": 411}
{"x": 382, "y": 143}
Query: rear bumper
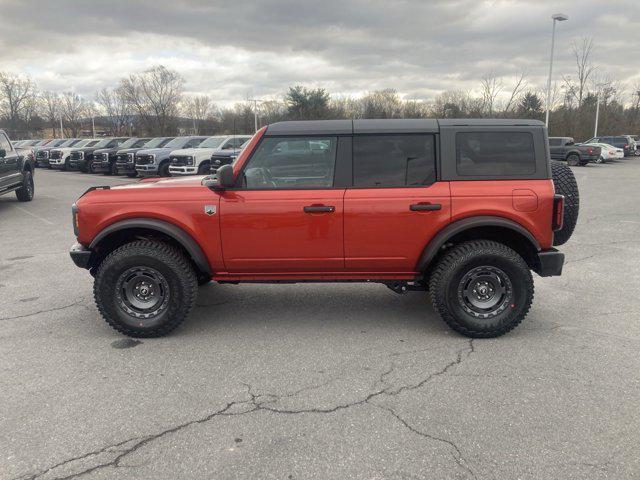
{"x": 80, "y": 255}
{"x": 550, "y": 263}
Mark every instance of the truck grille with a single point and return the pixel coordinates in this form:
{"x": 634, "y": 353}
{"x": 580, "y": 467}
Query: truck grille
{"x": 144, "y": 159}
{"x": 76, "y": 155}
{"x": 42, "y": 154}
{"x": 181, "y": 161}
{"x": 219, "y": 160}
{"x": 98, "y": 157}
{"x": 55, "y": 154}
{"x": 124, "y": 158}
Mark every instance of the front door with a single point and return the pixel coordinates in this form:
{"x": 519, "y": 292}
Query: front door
{"x": 9, "y": 168}
{"x": 287, "y": 216}
{"x": 395, "y": 206}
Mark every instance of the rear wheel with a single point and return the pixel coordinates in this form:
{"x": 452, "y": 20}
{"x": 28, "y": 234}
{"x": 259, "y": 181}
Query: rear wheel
{"x": 481, "y": 288}
{"x": 26, "y": 192}
{"x": 564, "y": 183}
{"x": 145, "y": 288}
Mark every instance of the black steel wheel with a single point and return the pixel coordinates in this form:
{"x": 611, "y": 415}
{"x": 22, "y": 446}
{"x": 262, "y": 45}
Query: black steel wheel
{"x": 27, "y": 191}
{"x": 481, "y": 288}
{"x": 145, "y": 288}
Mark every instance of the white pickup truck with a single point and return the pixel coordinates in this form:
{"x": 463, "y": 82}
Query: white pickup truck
{"x": 192, "y": 161}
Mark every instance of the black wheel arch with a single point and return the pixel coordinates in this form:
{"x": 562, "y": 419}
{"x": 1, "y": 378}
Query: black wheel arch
{"x": 573, "y": 152}
{"x": 130, "y": 229}
{"x": 483, "y": 227}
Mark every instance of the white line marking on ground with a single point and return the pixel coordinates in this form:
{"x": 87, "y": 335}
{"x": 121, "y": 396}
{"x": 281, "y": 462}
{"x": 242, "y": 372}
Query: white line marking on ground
{"x": 34, "y": 215}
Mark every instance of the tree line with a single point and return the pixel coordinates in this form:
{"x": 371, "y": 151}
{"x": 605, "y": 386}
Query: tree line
{"x": 153, "y": 102}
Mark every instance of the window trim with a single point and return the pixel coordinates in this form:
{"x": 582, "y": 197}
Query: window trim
{"x": 436, "y": 160}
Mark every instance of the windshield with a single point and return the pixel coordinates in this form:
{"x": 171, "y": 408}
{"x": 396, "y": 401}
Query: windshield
{"x": 83, "y": 143}
{"x": 102, "y": 143}
{"x": 128, "y": 143}
{"x": 69, "y": 143}
{"x": 56, "y": 143}
{"x": 177, "y": 142}
{"x": 157, "y": 142}
{"x": 212, "y": 142}
{"x": 139, "y": 142}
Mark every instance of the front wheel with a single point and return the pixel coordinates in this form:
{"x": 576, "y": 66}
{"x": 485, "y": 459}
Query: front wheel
{"x": 163, "y": 170}
{"x": 145, "y": 288}
{"x": 481, "y": 288}
{"x": 26, "y": 192}
{"x": 600, "y": 159}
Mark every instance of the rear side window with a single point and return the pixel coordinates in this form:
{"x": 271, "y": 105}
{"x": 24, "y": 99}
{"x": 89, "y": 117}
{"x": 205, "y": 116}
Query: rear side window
{"x": 387, "y": 161}
{"x": 297, "y": 162}
{"x": 4, "y": 143}
{"x": 495, "y": 153}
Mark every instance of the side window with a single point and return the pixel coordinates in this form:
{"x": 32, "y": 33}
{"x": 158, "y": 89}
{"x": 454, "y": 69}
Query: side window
{"x": 5, "y": 144}
{"x": 495, "y": 153}
{"x": 555, "y": 142}
{"x": 236, "y": 142}
{"x": 295, "y": 162}
{"x": 386, "y": 161}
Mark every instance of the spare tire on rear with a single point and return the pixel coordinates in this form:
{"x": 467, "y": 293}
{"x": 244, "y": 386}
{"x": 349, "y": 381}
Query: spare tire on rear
{"x": 565, "y": 184}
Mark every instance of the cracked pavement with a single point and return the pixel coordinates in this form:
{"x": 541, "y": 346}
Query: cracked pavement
{"x": 321, "y": 381}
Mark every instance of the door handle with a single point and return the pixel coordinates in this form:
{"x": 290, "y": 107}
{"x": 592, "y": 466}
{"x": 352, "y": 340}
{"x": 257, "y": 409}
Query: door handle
{"x": 425, "y": 207}
{"x": 319, "y": 209}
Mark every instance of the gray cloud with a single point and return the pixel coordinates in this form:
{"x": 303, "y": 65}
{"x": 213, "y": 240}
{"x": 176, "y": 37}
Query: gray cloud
{"x": 233, "y": 50}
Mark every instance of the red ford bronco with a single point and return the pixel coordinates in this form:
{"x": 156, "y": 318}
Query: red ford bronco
{"x": 463, "y": 209}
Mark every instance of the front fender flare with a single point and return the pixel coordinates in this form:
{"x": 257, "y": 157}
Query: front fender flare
{"x": 177, "y": 233}
{"x": 460, "y": 226}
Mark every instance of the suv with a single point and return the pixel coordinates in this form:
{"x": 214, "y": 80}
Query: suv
{"x": 619, "y": 141}
{"x": 126, "y": 157}
{"x": 564, "y": 148}
{"x": 463, "y": 209}
{"x": 198, "y": 160}
{"x": 16, "y": 170}
{"x": 155, "y": 161}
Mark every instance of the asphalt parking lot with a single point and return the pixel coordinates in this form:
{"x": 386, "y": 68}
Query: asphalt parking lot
{"x": 321, "y": 381}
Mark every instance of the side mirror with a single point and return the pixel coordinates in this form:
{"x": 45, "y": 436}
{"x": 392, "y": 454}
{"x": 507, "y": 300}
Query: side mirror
{"x": 223, "y": 178}
{"x": 3, "y": 153}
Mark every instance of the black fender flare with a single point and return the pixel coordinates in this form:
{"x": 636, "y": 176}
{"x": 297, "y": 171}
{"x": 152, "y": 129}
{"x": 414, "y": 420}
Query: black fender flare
{"x": 459, "y": 226}
{"x": 572, "y": 152}
{"x": 173, "y": 231}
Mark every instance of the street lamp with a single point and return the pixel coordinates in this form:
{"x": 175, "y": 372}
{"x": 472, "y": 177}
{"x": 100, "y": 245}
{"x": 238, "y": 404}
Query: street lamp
{"x": 599, "y": 89}
{"x": 560, "y": 17}
{"x": 255, "y": 113}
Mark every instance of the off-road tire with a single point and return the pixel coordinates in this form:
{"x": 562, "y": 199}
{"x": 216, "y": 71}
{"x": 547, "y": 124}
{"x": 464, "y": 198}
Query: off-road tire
{"x": 462, "y": 259}
{"x": 26, "y": 192}
{"x": 565, "y": 184}
{"x": 573, "y": 159}
{"x": 171, "y": 263}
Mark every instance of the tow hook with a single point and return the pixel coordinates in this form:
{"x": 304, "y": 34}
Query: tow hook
{"x": 402, "y": 287}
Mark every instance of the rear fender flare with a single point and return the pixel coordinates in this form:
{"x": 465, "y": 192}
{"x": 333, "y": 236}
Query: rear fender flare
{"x": 459, "y": 226}
{"x": 177, "y": 233}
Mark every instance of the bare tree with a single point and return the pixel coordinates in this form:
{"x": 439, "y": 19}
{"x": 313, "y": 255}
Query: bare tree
{"x": 15, "y": 94}
{"x": 382, "y": 104}
{"x": 491, "y": 87}
{"x": 582, "y": 54}
{"x": 155, "y": 96}
{"x": 74, "y": 109}
{"x": 51, "y": 109}
{"x": 198, "y": 108}
{"x": 518, "y": 88}
{"x": 114, "y": 105}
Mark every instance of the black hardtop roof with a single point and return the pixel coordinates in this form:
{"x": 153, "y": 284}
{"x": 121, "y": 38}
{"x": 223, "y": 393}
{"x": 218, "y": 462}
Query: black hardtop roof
{"x": 395, "y": 125}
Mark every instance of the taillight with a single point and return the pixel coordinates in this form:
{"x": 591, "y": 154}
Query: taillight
{"x": 590, "y": 151}
{"x": 558, "y": 212}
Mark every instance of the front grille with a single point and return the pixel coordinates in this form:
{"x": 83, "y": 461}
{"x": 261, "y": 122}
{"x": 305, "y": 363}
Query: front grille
{"x": 76, "y": 155}
{"x": 219, "y": 160}
{"x": 181, "y": 161}
{"x": 42, "y": 154}
{"x": 144, "y": 159}
{"x": 55, "y": 155}
{"x": 98, "y": 157}
{"x": 124, "y": 158}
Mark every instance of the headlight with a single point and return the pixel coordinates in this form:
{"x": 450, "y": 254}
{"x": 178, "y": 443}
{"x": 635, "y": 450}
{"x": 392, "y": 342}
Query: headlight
{"x": 189, "y": 160}
{"x": 152, "y": 159}
{"x": 130, "y": 157}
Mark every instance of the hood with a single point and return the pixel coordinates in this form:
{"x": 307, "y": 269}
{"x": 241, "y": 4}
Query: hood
{"x": 155, "y": 151}
{"x": 130, "y": 150}
{"x": 190, "y": 181}
{"x": 193, "y": 151}
{"x": 104, "y": 150}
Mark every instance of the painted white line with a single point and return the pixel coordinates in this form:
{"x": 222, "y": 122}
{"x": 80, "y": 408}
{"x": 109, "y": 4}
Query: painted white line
{"x": 34, "y": 215}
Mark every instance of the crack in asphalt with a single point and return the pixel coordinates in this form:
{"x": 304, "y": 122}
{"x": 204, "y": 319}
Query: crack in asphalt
{"x": 261, "y": 402}
{"x": 63, "y": 307}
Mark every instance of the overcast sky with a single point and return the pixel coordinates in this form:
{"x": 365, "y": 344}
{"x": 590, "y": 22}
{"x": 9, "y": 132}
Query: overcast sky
{"x": 233, "y": 50}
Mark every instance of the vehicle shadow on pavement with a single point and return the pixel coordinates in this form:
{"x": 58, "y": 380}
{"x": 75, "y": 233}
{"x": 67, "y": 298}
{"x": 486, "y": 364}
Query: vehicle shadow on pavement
{"x": 312, "y": 306}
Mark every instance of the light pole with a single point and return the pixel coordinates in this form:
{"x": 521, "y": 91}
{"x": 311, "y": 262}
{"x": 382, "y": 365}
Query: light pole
{"x": 599, "y": 89}
{"x": 61, "y": 129}
{"x": 560, "y": 17}
{"x": 255, "y": 113}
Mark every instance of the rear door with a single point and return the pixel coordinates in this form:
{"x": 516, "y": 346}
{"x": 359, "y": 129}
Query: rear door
{"x": 395, "y": 205}
{"x": 287, "y": 216}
